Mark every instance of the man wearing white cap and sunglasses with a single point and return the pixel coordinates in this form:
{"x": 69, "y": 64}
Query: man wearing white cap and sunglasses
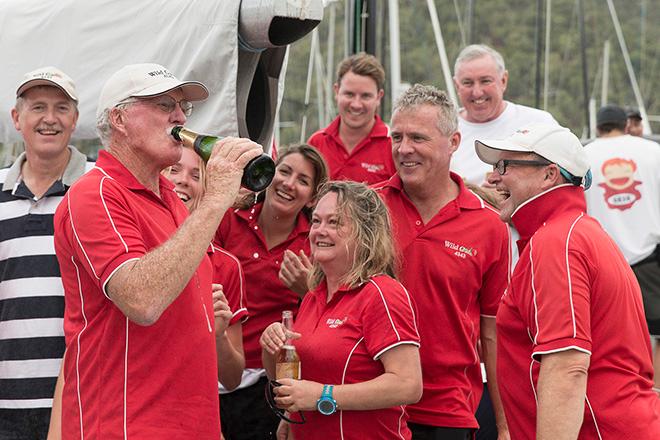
{"x": 32, "y": 306}
{"x": 574, "y": 357}
{"x": 141, "y": 359}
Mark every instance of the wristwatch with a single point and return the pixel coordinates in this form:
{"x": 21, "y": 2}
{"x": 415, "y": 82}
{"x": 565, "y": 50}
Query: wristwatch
{"x": 326, "y": 404}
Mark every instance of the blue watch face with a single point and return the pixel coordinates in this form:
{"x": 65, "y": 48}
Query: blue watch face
{"x": 326, "y": 406}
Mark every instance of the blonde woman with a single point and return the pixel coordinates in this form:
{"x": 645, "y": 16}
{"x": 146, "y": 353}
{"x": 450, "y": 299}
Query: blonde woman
{"x": 356, "y": 331}
{"x": 188, "y": 177}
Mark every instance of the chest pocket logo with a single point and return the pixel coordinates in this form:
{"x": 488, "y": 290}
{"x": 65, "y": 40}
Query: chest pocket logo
{"x": 336, "y": 322}
{"x": 460, "y": 250}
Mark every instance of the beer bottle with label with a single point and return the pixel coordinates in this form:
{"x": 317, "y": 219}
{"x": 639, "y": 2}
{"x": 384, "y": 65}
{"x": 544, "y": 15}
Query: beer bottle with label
{"x": 287, "y": 364}
{"x": 258, "y": 173}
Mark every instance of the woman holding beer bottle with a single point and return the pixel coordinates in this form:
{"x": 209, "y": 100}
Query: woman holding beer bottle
{"x": 355, "y": 333}
{"x": 265, "y": 236}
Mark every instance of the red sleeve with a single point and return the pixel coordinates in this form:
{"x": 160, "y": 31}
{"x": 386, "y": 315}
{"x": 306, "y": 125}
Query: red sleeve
{"x": 227, "y": 271}
{"x": 496, "y": 277}
{"x": 104, "y": 228}
{"x": 390, "y": 317}
{"x": 559, "y": 312}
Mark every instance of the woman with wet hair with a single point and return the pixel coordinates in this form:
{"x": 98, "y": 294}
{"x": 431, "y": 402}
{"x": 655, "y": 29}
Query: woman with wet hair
{"x": 356, "y": 330}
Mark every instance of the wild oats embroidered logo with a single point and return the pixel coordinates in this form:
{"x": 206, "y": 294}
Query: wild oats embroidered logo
{"x": 372, "y": 167}
{"x": 336, "y": 322}
{"x": 163, "y": 72}
{"x": 620, "y": 185}
{"x": 460, "y": 250}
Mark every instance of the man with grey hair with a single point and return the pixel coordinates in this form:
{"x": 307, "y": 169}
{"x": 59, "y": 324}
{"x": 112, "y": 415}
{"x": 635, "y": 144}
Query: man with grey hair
{"x": 139, "y": 322}
{"x": 481, "y": 78}
{"x": 31, "y": 295}
{"x": 456, "y": 263}
{"x": 574, "y": 356}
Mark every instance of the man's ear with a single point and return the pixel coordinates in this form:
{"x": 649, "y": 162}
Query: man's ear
{"x": 117, "y": 119}
{"x": 552, "y": 176}
{"x": 454, "y": 141}
{"x": 14, "y": 118}
{"x": 75, "y": 120}
{"x": 505, "y": 80}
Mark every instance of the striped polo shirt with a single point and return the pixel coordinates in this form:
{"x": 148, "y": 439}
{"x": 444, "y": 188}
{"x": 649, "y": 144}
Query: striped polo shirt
{"x": 31, "y": 294}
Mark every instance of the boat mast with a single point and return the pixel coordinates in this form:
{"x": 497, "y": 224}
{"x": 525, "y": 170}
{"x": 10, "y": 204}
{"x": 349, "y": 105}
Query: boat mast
{"x": 629, "y": 68}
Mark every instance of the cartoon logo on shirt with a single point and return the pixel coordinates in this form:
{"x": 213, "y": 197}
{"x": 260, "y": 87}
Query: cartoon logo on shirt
{"x": 460, "y": 250}
{"x": 372, "y": 167}
{"x": 620, "y": 185}
{"x": 336, "y": 322}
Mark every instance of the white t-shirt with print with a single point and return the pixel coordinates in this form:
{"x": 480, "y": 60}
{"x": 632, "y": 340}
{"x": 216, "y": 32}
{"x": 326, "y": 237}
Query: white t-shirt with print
{"x": 625, "y": 194}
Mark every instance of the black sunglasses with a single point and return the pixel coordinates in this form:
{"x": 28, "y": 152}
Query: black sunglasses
{"x": 270, "y": 399}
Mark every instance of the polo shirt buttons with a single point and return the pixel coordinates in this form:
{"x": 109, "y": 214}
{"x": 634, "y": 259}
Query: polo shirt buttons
{"x": 418, "y": 222}
{"x": 256, "y": 255}
{"x": 256, "y": 227}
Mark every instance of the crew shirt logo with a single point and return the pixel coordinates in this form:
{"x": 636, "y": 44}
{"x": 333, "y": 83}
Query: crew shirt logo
{"x": 372, "y": 167}
{"x": 460, "y": 250}
{"x": 620, "y": 185}
{"x": 336, "y": 322}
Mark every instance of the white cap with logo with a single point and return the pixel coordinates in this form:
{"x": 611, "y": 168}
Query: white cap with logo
{"x": 553, "y": 142}
{"x": 144, "y": 80}
{"x": 48, "y": 76}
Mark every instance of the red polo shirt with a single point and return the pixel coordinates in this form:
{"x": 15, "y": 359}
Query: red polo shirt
{"x": 369, "y": 162}
{"x": 573, "y": 290}
{"x": 239, "y": 233}
{"x": 227, "y": 271}
{"x": 341, "y": 343}
{"x": 124, "y": 380}
{"x": 456, "y": 269}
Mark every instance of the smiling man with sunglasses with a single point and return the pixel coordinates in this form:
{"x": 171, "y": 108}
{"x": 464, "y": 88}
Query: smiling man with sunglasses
{"x": 573, "y": 355}
{"x": 141, "y": 359}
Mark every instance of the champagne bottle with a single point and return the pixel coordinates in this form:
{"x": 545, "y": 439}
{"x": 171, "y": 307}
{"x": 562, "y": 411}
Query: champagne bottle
{"x": 287, "y": 364}
{"x": 257, "y": 174}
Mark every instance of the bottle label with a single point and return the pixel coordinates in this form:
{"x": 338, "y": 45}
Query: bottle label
{"x": 287, "y": 370}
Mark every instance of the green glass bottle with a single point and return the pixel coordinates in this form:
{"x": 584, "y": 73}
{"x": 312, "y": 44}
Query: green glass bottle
{"x": 257, "y": 174}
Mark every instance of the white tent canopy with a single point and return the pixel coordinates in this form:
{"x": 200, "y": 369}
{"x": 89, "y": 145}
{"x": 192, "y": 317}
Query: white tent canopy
{"x": 92, "y": 39}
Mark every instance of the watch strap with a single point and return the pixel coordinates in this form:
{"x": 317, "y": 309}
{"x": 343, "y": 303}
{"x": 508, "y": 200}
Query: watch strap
{"x": 325, "y": 399}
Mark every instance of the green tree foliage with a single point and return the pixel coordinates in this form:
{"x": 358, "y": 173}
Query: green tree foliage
{"x": 509, "y": 27}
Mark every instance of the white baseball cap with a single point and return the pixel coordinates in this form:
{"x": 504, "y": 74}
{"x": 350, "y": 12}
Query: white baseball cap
{"x": 48, "y": 76}
{"x": 553, "y": 142}
{"x": 145, "y": 80}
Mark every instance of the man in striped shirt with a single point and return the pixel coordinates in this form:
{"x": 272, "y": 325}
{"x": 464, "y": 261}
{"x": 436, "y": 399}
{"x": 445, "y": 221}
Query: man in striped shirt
{"x": 31, "y": 295}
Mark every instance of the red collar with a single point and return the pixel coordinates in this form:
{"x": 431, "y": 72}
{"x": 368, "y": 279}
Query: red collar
{"x": 112, "y": 167}
{"x": 251, "y": 216}
{"x": 466, "y": 199}
{"x": 321, "y": 291}
{"x": 556, "y": 201}
{"x": 377, "y": 131}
